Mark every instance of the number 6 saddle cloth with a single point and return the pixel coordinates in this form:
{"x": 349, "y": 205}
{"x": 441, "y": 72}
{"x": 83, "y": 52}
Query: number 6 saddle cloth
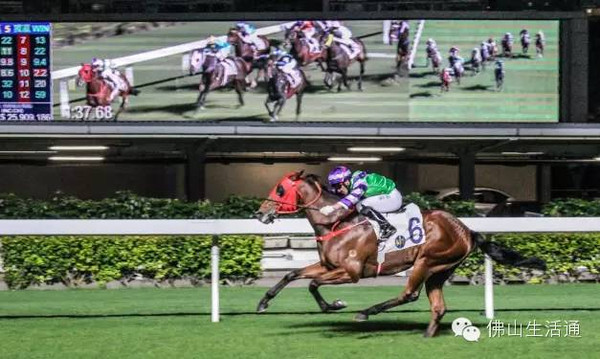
{"x": 410, "y": 231}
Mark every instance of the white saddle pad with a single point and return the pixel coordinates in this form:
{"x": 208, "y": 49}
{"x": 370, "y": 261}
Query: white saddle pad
{"x": 230, "y": 69}
{"x": 294, "y": 78}
{"x": 410, "y": 231}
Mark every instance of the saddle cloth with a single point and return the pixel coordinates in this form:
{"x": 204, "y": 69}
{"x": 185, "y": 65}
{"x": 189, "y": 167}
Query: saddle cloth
{"x": 313, "y": 45}
{"x": 229, "y": 69}
{"x": 294, "y": 78}
{"x": 410, "y": 231}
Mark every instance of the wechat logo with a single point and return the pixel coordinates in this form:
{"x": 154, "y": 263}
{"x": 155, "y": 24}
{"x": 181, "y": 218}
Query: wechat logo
{"x": 463, "y": 327}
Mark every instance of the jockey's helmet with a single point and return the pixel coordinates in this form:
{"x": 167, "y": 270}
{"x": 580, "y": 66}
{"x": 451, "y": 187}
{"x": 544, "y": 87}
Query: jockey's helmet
{"x": 339, "y": 174}
{"x": 334, "y": 24}
{"x": 240, "y": 25}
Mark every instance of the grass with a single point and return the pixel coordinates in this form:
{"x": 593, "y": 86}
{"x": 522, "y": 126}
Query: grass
{"x": 161, "y": 323}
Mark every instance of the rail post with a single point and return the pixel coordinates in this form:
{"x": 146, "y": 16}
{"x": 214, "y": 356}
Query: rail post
{"x": 214, "y": 278}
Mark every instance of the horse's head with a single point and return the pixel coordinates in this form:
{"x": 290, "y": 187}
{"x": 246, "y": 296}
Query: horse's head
{"x": 86, "y": 74}
{"x": 201, "y": 60}
{"x": 288, "y": 195}
{"x": 233, "y": 35}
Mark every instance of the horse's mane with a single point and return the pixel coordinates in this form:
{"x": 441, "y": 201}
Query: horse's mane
{"x": 316, "y": 180}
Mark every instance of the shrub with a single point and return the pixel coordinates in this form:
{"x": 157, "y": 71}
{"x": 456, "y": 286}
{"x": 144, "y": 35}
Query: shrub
{"x": 71, "y": 259}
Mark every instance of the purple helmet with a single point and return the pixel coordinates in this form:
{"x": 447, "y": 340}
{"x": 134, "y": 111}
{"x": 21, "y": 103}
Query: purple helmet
{"x": 339, "y": 174}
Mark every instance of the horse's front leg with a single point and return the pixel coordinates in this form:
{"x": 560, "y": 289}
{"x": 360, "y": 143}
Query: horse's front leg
{"x": 312, "y": 271}
{"x": 239, "y": 88}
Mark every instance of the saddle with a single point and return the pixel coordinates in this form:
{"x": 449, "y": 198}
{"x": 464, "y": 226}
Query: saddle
{"x": 408, "y": 221}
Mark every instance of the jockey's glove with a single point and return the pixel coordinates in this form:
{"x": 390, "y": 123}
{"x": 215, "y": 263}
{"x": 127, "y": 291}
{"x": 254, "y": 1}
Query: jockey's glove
{"x": 327, "y": 210}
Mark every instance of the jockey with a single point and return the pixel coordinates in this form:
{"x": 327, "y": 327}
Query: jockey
{"x": 475, "y": 55}
{"x": 485, "y": 50}
{"x": 539, "y": 37}
{"x": 287, "y": 64}
{"x": 525, "y": 35}
{"x": 106, "y": 70}
{"x": 309, "y": 31}
{"x": 492, "y": 46}
{"x": 371, "y": 193}
{"x": 454, "y": 51}
{"x": 219, "y": 48}
{"x": 248, "y": 34}
{"x": 507, "y": 38}
{"x": 343, "y": 35}
{"x": 431, "y": 44}
{"x": 446, "y": 78}
{"x": 431, "y": 47}
{"x": 454, "y": 57}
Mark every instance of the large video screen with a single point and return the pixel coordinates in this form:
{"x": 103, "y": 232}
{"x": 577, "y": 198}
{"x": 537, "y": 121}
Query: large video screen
{"x": 286, "y": 71}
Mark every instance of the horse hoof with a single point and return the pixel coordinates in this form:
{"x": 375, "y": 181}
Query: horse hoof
{"x": 361, "y": 317}
{"x": 273, "y": 119}
{"x": 262, "y": 307}
{"x": 338, "y": 304}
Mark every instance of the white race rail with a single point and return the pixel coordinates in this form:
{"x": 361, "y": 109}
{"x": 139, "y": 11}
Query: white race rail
{"x": 287, "y": 226}
{"x": 164, "y": 52}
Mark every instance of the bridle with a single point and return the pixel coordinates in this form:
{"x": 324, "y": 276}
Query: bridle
{"x": 299, "y": 207}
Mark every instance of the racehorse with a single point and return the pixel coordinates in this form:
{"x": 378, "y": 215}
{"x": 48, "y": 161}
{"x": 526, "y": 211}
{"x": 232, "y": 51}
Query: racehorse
{"x": 98, "y": 91}
{"x": 339, "y": 61}
{"x": 458, "y": 70}
{"x": 499, "y": 77}
{"x": 506, "y": 48}
{"x": 255, "y": 57}
{"x": 397, "y": 31}
{"x": 524, "y": 42}
{"x": 539, "y": 46}
{"x": 217, "y": 74}
{"x": 436, "y": 60}
{"x": 301, "y": 50}
{"x": 476, "y": 61}
{"x": 348, "y": 247}
{"x": 446, "y": 80}
{"x": 280, "y": 88}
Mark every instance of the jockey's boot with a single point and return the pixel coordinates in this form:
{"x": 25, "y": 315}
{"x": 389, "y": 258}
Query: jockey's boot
{"x": 386, "y": 229}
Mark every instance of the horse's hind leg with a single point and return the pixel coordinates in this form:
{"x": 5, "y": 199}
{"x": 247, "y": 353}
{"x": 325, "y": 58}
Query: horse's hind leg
{"x": 239, "y": 88}
{"x": 298, "y": 104}
{"x": 312, "y": 271}
{"x": 434, "y": 286}
{"x": 360, "y": 75}
{"x": 410, "y": 294}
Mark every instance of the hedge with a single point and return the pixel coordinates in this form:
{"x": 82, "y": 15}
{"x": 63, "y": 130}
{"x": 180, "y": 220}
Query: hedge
{"x": 71, "y": 260}
{"x": 127, "y": 205}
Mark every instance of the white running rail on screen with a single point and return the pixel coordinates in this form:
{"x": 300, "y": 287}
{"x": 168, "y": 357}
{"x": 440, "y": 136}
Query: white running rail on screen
{"x": 282, "y": 226}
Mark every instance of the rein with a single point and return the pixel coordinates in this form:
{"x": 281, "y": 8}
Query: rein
{"x": 337, "y": 232}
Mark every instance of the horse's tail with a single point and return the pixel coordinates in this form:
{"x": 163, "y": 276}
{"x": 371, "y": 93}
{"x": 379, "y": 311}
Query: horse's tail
{"x": 505, "y": 255}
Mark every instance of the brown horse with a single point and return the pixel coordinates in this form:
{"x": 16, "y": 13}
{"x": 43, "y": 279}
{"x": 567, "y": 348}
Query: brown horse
{"x": 215, "y": 75}
{"x": 98, "y": 91}
{"x": 301, "y": 49}
{"x": 280, "y": 88}
{"x": 254, "y": 57}
{"x": 348, "y": 250}
{"x": 338, "y": 61}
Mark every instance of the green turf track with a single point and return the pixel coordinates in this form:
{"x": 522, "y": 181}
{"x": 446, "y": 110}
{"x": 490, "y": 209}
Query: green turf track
{"x": 530, "y": 94}
{"x": 530, "y": 91}
{"x": 175, "y": 323}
